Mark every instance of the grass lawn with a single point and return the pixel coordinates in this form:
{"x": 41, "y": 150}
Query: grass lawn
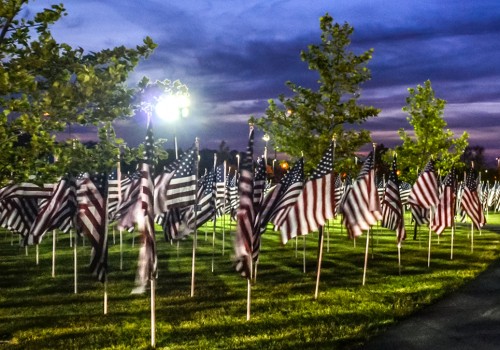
{"x": 38, "y": 311}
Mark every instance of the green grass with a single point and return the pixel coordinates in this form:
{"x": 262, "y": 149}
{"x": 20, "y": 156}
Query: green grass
{"x": 38, "y": 311}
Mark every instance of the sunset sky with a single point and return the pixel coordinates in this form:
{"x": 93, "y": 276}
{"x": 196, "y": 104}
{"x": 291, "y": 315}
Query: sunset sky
{"x": 235, "y": 55}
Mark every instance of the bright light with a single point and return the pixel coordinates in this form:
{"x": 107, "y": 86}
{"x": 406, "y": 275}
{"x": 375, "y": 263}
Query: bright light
{"x": 266, "y": 137}
{"x": 173, "y": 107}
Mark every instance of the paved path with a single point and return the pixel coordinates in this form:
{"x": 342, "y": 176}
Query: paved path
{"x": 467, "y": 319}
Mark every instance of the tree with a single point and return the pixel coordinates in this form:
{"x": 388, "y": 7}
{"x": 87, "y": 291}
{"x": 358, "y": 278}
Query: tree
{"x": 46, "y": 86}
{"x": 307, "y": 121}
{"x": 430, "y": 138}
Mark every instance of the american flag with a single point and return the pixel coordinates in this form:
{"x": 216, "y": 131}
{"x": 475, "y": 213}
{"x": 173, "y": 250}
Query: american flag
{"x": 404, "y": 191}
{"x": 470, "y": 200}
{"x": 129, "y": 204}
{"x": 18, "y": 214}
{"x": 259, "y": 185}
{"x": 181, "y": 190}
{"x": 206, "y": 201}
{"x": 361, "y": 207}
{"x": 234, "y": 199}
{"x": 58, "y": 212}
{"x": 315, "y": 204}
{"x": 243, "y": 244}
{"x": 424, "y": 192}
{"x": 25, "y": 190}
{"x": 338, "y": 193}
{"x": 279, "y": 200}
{"x": 282, "y": 197}
{"x": 392, "y": 208}
{"x": 92, "y": 219}
{"x": 220, "y": 188}
{"x": 147, "y": 265}
{"x": 445, "y": 210}
{"x": 20, "y": 205}
{"x": 175, "y": 225}
{"x": 117, "y": 187}
{"x": 160, "y": 192}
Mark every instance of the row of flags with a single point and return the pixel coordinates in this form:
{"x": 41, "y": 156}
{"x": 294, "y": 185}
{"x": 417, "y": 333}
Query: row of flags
{"x": 297, "y": 207}
{"x": 181, "y": 202}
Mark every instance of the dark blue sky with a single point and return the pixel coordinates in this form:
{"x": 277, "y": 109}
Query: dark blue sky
{"x": 235, "y": 55}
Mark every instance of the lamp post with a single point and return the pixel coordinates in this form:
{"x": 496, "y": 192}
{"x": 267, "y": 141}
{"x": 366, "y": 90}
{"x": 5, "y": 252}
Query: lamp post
{"x": 173, "y": 107}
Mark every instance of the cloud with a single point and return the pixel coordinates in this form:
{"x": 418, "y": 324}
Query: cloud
{"x": 234, "y": 57}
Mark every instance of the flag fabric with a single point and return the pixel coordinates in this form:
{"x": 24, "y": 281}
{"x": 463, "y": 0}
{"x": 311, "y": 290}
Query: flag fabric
{"x": 117, "y": 188}
{"x": 243, "y": 243}
{"x": 129, "y": 205}
{"x": 338, "y": 193}
{"x": 59, "y": 212}
{"x": 404, "y": 191}
{"x": 92, "y": 219}
{"x": 392, "y": 207}
{"x": 316, "y": 202}
{"x": 220, "y": 188}
{"x": 423, "y": 195}
{"x": 25, "y": 190}
{"x": 470, "y": 200}
{"x": 19, "y": 213}
{"x": 206, "y": 202}
{"x": 445, "y": 209}
{"x": 361, "y": 207}
{"x": 234, "y": 199}
{"x": 282, "y": 196}
{"x": 424, "y": 192}
{"x": 181, "y": 190}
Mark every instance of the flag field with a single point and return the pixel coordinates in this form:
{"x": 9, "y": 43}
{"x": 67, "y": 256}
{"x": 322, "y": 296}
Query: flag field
{"x": 38, "y": 311}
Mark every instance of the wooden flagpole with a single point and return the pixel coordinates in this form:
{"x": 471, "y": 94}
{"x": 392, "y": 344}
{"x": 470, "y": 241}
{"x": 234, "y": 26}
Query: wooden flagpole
{"x": 153, "y": 312}
{"x": 224, "y": 212}
{"x": 399, "y": 258}
{"x": 75, "y": 269}
{"x": 366, "y": 255}
{"x": 53, "y": 253}
{"x": 320, "y": 258}
{"x": 471, "y": 237}
{"x": 249, "y": 289}
{"x": 215, "y": 218}
{"x": 430, "y": 237}
{"x": 452, "y": 237}
{"x": 105, "y": 295}
{"x": 106, "y": 231}
{"x": 328, "y": 235}
{"x": 304, "y": 255}
{"x": 121, "y": 249}
{"x": 195, "y": 235}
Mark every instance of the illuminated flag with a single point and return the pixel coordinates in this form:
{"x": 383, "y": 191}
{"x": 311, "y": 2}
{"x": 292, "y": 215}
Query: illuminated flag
{"x": 243, "y": 243}
{"x": 92, "y": 219}
{"x": 445, "y": 210}
{"x": 392, "y": 208}
{"x": 361, "y": 207}
{"x": 58, "y": 212}
{"x": 316, "y": 202}
{"x": 470, "y": 201}
{"x": 181, "y": 190}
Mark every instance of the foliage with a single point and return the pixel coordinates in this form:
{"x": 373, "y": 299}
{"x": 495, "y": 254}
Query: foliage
{"x": 306, "y": 122}
{"x": 46, "y": 86}
{"x": 38, "y": 311}
{"x": 430, "y": 138}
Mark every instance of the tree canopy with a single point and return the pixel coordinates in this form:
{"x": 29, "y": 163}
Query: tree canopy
{"x": 46, "y": 86}
{"x": 430, "y": 138}
{"x": 306, "y": 122}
